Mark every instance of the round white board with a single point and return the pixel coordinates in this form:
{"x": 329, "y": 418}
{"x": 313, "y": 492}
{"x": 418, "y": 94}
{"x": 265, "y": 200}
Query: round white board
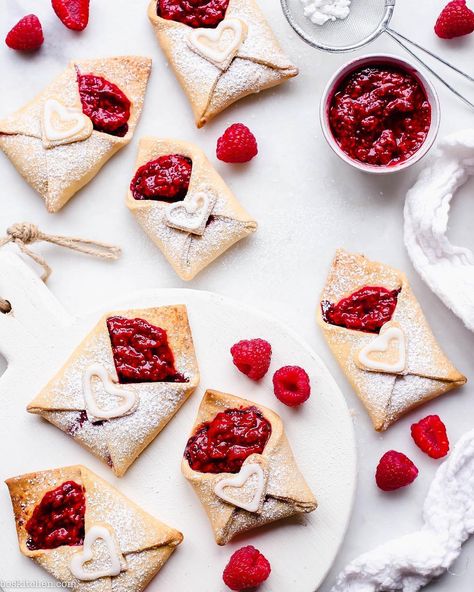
{"x": 301, "y": 550}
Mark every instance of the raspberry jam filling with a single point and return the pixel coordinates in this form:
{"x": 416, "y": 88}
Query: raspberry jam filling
{"x": 366, "y": 310}
{"x": 223, "y": 444}
{"x": 58, "y": 519}
{"x": 380, "y": 115}
{"x": 194, "y": 13}
{"x": 105, "y": 104}
{"x": 164, "y": 179}
{"x": 141, "y": 352}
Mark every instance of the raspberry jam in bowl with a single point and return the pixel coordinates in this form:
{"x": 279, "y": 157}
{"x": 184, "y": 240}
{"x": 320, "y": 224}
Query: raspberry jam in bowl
{"x": 380, "y": 114}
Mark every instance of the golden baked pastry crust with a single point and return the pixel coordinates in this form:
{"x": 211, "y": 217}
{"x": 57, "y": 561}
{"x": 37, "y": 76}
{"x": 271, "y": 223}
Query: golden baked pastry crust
{"x": 285, "y": 492}
{"x": 119, "y": 441}
{"x": 428, "y": 372}
{"x": 57, "y": 172}
{"x": 144, "y": 542}
{"x": 187, "y": 252}
{"x": 259, "y": 62}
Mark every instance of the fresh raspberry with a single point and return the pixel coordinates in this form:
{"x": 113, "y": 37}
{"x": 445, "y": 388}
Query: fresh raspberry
{"x": 430, "y": 435}
{"x": 237, "y": 144}
{"x": 26, "y": 35}
{"x": 164, "y": 179}
{"x": 247, "y": 568}
{"x": 455, "y": 20}
{"x": 395, "y": 470}
{"x": 74, "y": 14}
{"x": 252, "y": 357}
{"x": 291, "y": 385}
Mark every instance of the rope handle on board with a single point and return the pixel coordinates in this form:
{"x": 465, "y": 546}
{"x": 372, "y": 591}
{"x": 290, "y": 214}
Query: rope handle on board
{"x": 24, "y": 234}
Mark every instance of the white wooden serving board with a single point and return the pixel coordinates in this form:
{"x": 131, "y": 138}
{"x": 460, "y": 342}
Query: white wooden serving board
{"x": 37, "y": 337}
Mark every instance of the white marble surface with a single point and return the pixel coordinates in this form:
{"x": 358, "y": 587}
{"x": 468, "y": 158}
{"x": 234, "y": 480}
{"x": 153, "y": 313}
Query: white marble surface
{"x": 307, "y": 203}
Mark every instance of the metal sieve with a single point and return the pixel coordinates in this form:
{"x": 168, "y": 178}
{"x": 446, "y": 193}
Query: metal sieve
{"x": 367, "y": 20}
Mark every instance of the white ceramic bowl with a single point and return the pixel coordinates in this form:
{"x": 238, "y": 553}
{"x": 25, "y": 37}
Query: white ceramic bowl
{"x": 356, "y": 64}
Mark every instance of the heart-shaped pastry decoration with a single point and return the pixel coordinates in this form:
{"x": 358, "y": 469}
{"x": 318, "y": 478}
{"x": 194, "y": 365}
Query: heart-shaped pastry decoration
{"x": 246, "y": 489}
{"x": 386, "y": 353}
{"x": 191, "y": 214}
{"x": 109, "y": 560}
{"x": 128, "y": 399}
{"x": 220, "y": 45}
{"x": 63, "y": 125}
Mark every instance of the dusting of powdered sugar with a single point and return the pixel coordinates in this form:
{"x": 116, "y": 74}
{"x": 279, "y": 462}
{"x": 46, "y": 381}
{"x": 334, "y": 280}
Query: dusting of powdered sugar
{"x": 387, "y": 395}
{"x": 321, "y": 11}
{"x": 144, "y": 542}
{"x": 59, "y": 172}
{"x": 259, "y": 63}
{"x": 120, "y": 440}
{"x": 286, "y": 491}
{"x": 188, "y": 252}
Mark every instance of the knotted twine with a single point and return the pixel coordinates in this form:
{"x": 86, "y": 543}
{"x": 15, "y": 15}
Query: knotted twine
{"x": 5, "y": 306}
{"x": 24, "y": 234}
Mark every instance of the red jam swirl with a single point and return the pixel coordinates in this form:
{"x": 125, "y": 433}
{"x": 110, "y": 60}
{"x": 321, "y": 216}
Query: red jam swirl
{"x": 105, "y": 104}
{"x": 366, "y": 310}
{"x": 380, "y": 115}
{"x": 223, "y": 444}
{"x": 164, "y": 179}
{"x": 194, "y": 13}
{"x": 141, "y": 352}
{"x": 58, "y": 519}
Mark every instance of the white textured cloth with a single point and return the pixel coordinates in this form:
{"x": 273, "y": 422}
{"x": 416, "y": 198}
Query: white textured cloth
{"x": 447, "y": 269}
{"x": 412, "y": 561}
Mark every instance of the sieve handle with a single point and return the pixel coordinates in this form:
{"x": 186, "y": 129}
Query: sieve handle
{"x": 403, "y": 41}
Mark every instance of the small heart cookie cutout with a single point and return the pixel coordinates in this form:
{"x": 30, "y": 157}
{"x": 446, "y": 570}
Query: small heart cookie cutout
{"x": 220, "y": 45}
{"x": 244, "y": 490}
{"x": 191, "y": 214}
{"x": 390, "y": 335}
{"x": 79, "y": 559}
{"x": 128, "y": 398}
{"x": 63, "y": 125}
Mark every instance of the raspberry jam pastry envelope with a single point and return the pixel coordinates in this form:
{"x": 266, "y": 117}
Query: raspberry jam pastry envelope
{"x": 62, "y": 138}
{"x": 241, "y": 494}
{"x": 377, "y": 331}
{"x": 95, "y": 540}
{"x": 195, "y": 226}
{"x": 124, "y": 383}
{"x": 218, "y": 66}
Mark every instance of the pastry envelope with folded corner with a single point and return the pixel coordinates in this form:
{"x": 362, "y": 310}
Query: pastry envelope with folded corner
{"x": 394, "y": 367}
{"x": 107, "y": 543}
{"x": 268, "y": 486}
{"x": 194, "y": 231}
{"x": 52, "y": 142}
{"x": 218, "y": 66}
{"x": 101, "y": 398}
